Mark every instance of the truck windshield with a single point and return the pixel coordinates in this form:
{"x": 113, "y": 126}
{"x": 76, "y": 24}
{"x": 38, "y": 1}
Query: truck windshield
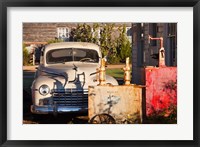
{"x": 71, "y": 54}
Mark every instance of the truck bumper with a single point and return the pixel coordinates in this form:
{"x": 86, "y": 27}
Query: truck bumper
{"x": 56, "y": 109}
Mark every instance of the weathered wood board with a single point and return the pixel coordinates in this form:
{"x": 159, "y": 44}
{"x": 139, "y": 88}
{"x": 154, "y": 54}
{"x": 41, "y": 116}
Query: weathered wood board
{"x": 123, "y": 103}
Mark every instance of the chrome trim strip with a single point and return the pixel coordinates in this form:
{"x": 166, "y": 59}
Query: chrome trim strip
{"x": 55, "y": 109}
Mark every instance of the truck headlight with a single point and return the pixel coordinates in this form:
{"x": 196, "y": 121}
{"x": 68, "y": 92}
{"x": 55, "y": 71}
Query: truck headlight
{"x": 44, "y": 90}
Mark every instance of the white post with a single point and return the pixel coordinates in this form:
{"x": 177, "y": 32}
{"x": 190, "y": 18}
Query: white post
{"x": 34, "y": 58}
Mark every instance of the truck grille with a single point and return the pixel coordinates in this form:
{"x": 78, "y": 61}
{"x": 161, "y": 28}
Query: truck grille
{"x": 70, "y": 97}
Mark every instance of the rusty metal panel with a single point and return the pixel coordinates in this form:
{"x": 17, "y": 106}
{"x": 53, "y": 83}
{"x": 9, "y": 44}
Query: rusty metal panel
{"x": 122, "y": 103}
{"x": 161, "y": 89}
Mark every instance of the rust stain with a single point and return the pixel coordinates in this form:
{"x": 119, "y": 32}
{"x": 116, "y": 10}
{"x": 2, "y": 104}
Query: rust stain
{"x": 123, "y": 103}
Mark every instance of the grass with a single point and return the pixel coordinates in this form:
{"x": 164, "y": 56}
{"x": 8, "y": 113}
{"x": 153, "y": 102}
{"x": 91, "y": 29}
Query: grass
{"x": 116, "y": 73}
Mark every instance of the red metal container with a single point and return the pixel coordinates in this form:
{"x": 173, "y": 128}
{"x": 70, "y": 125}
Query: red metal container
{"x": 161, "y": 90}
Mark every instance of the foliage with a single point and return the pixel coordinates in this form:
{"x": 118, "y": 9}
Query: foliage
{"x": 116, "y": 48}
{"x": 83, "y": 33}
{"x": 96, "y": 31}
{"x": 25, "y": 56}
{"x": 123, "y": 45}
{"x": 107, "y": 44}
{"x": 114, "y": 59}
{"x": 54, "y": 41}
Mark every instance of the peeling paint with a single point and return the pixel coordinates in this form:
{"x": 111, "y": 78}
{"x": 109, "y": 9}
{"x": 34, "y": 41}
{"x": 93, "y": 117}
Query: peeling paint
{"x": 123, "y": 103}
{"x": 161, "y": 89}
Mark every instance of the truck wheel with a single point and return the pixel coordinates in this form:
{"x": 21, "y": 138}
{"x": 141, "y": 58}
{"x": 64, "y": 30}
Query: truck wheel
{"x": 102, "y": 119}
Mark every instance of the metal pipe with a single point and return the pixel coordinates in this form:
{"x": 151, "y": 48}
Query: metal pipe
{"x": 161, "y": 50}
{"x": 127, "y": 73}
{"x": 161, "y": 40}
{"x": 102, "y": 73}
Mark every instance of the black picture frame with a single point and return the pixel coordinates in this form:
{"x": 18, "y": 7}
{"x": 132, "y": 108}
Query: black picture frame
{"x": 4, "y": 4}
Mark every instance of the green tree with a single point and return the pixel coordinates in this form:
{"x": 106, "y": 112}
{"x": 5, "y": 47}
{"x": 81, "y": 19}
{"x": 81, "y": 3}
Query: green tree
{"x": 83, "y": 33}
{"x": 117, "y": 49}
{"x": 107, "y": 43}
{"x": 123, "y": 44}
{"x": 95, "y": 35}
{"x": 25, "y": 56}
{"x": 100, "y": 34}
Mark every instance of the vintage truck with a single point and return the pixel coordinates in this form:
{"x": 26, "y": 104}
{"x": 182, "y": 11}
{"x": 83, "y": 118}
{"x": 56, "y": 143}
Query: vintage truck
{"x": 62, "y": 78}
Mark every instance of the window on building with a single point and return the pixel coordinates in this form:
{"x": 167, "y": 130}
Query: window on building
{"x": 63, "y": 33}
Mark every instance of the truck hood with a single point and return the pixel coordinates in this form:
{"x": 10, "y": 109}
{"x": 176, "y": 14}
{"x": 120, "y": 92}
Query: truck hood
{"x": 72, "y": 69}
